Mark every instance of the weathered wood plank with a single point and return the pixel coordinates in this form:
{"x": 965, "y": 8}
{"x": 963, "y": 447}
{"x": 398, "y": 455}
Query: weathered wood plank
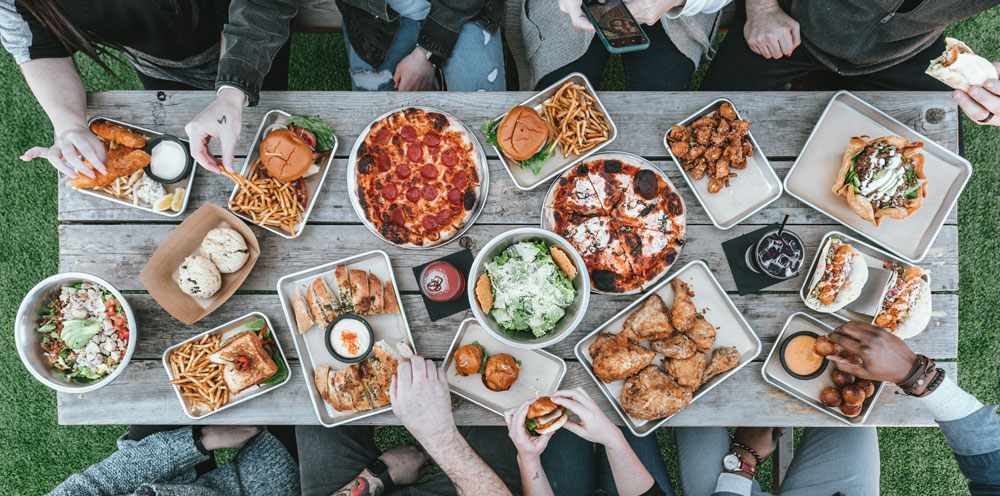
{"x": 505, "y": 204}
{"x": 118, "y": 252}
{"x": 143, "y": 395}
{"x": 765, "y": 313}
{"x": 780, "y": 121}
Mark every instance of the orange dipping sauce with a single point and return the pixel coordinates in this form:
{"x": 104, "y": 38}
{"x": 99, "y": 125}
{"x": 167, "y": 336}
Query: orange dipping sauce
{"x": 800, "y": 357}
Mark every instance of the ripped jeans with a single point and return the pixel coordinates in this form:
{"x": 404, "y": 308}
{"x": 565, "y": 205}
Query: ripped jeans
{"x": 475, "y": 64}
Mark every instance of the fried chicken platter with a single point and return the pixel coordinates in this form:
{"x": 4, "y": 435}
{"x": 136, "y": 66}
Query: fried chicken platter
{"x": 655, "y": 357}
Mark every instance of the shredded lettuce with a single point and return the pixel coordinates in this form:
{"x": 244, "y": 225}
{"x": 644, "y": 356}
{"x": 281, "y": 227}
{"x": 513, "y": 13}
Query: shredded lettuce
{"x": 324, "y": 136}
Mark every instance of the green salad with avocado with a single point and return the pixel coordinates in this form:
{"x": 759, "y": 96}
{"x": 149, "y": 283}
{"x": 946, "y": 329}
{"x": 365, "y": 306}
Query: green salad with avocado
{"x": 530, "y": 292}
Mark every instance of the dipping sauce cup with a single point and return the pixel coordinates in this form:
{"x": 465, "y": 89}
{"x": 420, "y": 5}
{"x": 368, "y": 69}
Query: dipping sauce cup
{"x": 349, "y": 338}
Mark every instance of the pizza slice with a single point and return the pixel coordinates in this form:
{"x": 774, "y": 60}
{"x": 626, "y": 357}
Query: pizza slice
{"x": 610, "y": 178}
{"x": 651, "y": 203}
{"x": 650, "y": 252}
{"x": 575, "y": 193}
{"x": 605, "y": 256}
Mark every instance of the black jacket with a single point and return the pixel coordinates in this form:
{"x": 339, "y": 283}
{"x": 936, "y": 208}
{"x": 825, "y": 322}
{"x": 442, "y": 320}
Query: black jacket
{"x": 371, "y": 25}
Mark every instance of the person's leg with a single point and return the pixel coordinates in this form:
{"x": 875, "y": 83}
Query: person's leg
{"x": 829, "y": 460}
{"x": 661, "y": 67}
{"x": 736, "y": 67}
{"x": 700, "y": 451}
{"x": 648, "y": 452}
{"x": 364, "y": 77}
{"x": 591, "y": 64}
{"x": 476, "y": 61}
{"x": 906, "y": 75}
{"x": 330, "y": 458}
{"x": 277, "y": 77}
{"x": 495, "y": 448}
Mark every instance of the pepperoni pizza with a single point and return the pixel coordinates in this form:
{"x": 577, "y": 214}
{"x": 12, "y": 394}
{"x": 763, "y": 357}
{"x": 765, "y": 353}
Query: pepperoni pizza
{"x": 623, "y": 216}
{"x": 419, "y": 177}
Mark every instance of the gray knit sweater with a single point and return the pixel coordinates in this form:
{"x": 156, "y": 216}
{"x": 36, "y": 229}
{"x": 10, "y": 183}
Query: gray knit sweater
{"x": 163, "y": 464}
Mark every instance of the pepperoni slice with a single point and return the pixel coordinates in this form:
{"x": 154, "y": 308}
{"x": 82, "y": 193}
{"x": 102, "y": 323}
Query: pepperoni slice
{"x": 455, "y": 196}
{"x": 449, "y": 157}
{"x": 414, "y": 153}
{"x": 429, "y": 171}
{"x": 413, "y": 194}
{"x": 443, "y": 217}
{"x": 408, "y": 133}
{"x": 403, "y": 171}
{"x": 382, "y": 136}
{"x": 389, "y": 192}
{"x": 384, "y": 163}
{"x": 461, "y": 179}
{"x": 429, "y": 192}
{"x": 429, "y": 222}
{"x": 396, "y": 217}
{"x": 431, "y": 139}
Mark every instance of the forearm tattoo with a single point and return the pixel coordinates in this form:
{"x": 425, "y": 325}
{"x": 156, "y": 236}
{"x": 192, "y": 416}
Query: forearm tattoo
{"x": 360, "y": 486}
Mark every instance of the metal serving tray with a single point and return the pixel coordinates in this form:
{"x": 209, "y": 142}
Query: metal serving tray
{"x": 874, "y": 257}
{"x": 352, "y": 178}
{"x": 170, "y": 188}
{"x": 226, "y": 331}
{"x": 310, "y": 346}
{"x": 717, "y": 307}
{"x": 808, "y": 390}
{"x": 314, "y": 183}
{"x": 750, "y": 191}
{"x": 541, "y": 371}
{"x": 811, "y": 177}
{"x": 642, "y": 164}
{"x": 524, "y": 179}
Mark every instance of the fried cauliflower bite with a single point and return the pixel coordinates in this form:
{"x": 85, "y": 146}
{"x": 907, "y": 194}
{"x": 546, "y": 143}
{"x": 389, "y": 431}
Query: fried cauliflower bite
{"x": 679, "y": 148}
{"x": 726, "y": 111}
{"x": 679, "y": 133}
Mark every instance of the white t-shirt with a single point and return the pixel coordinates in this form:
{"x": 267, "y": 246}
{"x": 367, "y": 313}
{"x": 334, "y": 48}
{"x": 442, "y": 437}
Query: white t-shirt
{"x": 411, "y": 9}
{"x": 692, "y": 7}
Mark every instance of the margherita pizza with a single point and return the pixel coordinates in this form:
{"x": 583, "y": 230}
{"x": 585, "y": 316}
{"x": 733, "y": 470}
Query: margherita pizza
{"x": 622, "y": 215}
{"x": 419, "y": 177}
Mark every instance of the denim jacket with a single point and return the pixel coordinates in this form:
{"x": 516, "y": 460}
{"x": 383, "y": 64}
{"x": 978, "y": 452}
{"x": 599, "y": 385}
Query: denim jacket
{"x": 975, "y": 440}
{"x": 371, "y": 25}
{"x": 255, "y": 33}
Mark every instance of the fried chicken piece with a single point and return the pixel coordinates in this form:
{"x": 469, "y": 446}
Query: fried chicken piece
{"x": 715, "y": 185}
{"x": 652, "y": 394}
{"x": 679, "y": 133}
{"x": 618, "y": 359}
{"x": 120, "y": 162}
{"x": 679, "y": 148}
{"x": 738, "y": 164}
{"x": 706, "y": 121}
{"x": 700, "y": 166}
{"x": 702, "y": 334}
{"x": 684, "y": 313}
{"x": 724, "y": 126}
{"x": 598, "y": 343}
{"x": 703, "y": 135}
{"x": 718, "y": 138}
{"x": 676, "y": 346}
{"x": 695, "y": 151}
{"x": 688, "y": 372}
{"x": 723, "y": 359}
{"x": 726, "y": 111}
{"x": 713, "y": 153}
{"x": 747, "y": 147}
{"x": 740, "y": 126}
{"x": 113, "y": 132}
{"x": 721, "y": 169}
{"x": 733, "y": 152}
{"x": 651, "y": 321}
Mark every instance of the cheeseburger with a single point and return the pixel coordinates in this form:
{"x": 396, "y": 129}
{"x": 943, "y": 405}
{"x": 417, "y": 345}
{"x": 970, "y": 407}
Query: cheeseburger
{"x": 522, "y": 136}
{"x": 544, "y": 417}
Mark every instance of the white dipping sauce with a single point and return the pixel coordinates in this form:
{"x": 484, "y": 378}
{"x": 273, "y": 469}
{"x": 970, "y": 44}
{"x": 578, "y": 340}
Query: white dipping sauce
{"x": 168, "y": 159}
{"x": 349, "y": 338}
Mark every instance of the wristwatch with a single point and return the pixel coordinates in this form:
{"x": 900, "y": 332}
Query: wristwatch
{"x": 733, "y": 463}
{"x": 380, "y": 470}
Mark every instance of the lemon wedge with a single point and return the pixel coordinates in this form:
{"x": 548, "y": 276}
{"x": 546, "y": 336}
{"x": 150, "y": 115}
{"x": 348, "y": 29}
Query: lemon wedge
{"x": 178, "y": 200}
{"x": 163, "y": 203}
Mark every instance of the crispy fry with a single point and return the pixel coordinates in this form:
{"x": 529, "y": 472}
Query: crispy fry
{"x": 195, "y": 376}
{"x": 578, "y": 124}
{"x": 267, "y": 201}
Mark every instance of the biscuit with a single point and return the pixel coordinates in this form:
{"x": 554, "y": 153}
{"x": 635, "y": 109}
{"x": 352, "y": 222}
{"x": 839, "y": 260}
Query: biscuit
{"x": 226, "y": 248}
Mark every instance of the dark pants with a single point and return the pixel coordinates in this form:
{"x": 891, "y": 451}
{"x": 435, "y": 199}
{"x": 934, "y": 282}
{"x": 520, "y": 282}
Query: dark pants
{"x": 330, "y": 458}
{"x": 575, "y": 468}
{"x": 284, "y": 433}
{"x": 275, "y": 80}
{"x": 661, "y": 67}
{"x": 735, "y": 67}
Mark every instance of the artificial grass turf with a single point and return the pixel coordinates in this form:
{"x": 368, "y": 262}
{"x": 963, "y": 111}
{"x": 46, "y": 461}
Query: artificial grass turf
{"x": 38, "y": 453}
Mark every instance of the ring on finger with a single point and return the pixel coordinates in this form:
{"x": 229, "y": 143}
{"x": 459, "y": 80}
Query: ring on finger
{"x": 986, "y": 119}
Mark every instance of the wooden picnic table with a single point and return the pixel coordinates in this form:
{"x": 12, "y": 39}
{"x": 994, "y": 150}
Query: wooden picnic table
{"x": 114, "y": 242}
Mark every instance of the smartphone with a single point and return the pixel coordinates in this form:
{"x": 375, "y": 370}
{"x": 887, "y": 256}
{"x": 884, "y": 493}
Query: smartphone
{"x": 615, "y": 25}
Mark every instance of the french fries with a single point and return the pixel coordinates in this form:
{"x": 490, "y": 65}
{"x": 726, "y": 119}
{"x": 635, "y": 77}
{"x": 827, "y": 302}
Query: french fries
{"x": 579, "y": 125}
{"x": 199, "y": 380}
{"x": 268, "y": 202}
{"x": 121, "y": 188}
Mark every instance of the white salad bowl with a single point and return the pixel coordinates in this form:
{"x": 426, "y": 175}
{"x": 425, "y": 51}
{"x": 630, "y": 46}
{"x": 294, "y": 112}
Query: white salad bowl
{"x": 28, "y": 341}
{"x": 574, "y": 312}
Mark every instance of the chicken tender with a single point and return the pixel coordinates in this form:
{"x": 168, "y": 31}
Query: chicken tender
{"x": 676, "y": 346}
{"x": 723, "y": 359}
{"x": 651, "y": 321}
{"x": 652, "y": 394}
{"x": 618, "y": 359}
{"x": 688, "y": 372}
{"x": 113, "y": 132}
{"x": 684, "y": 313}
{"x": 120, "y": 162}
{"x": 702, "y": 334}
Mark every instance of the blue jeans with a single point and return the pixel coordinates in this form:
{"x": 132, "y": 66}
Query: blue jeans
{"x": 575, "y": 468}
{"x": 475, "y": 64}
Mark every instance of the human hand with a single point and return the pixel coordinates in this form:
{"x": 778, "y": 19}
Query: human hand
{"x": 576, "y": 16}
{"x": 414, "y": 72}
{"x": 884, "y": 356}
{"x": 406, "y": 464}
{"x": 221, "y": 119}
{"x": 981, "y": 102}
{"x": 760, "y": 439}
{"x": 215, "y": 437}
{"x": 769, "y": 31}
{"x": 68, "y": 151}
{"x": 421, "y": 401}
{"x": 594, "y": 425}
{"x": 528, "y": 447}
{"x": 649, "y": 12}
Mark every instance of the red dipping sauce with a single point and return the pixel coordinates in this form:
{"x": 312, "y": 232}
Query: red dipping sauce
{"x": 441, "y": 281}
